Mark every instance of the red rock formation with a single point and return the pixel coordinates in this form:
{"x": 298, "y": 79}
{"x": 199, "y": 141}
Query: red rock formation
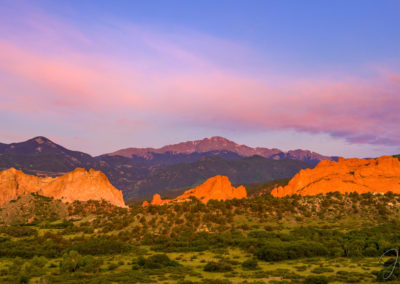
{"x": 79, "y": 184}
{"x": 157, "y": 200}
{"x": 346, "y": 175}
{"x": 218, "y": 188}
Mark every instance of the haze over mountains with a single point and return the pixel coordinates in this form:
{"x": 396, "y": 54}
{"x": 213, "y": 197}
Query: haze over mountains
{"x": 141, "y": 172}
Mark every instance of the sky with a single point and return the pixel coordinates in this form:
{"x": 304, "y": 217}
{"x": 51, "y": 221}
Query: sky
{"x": 98, "y": 76}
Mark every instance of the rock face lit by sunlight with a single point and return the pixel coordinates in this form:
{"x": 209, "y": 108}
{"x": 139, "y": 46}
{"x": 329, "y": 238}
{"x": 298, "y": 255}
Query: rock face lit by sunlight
{"x": 379, "y": 175}
{"x": 79, "y": 184}
{"x": 215, "y": 188}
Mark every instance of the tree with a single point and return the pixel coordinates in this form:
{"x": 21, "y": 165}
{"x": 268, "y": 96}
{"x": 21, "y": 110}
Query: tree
{"x": 70, "y": 261}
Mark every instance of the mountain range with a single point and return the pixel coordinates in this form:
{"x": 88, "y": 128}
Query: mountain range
{"x": 218, "y": 146}
{"x": 141, "y": 172}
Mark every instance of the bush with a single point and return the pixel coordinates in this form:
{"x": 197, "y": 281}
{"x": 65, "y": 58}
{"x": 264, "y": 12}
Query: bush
{"x": 316, "y": 280}
{"x": 217, "y": 267}
{"x": 291, "y": 250}
{"x": 23, "y": 279}
{"x": 271, "y": 254}
{"x": 250, "y": 264}
{"x": 156, "y": 261}
{"x": 70, "y": 261}
{"x": 319, "y": 270}
{"x": 73, "y": 262}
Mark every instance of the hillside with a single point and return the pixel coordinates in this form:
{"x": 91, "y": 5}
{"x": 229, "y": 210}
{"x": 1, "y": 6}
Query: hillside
{"x": 30, "y": 209}
{"x": 301, "y": 239}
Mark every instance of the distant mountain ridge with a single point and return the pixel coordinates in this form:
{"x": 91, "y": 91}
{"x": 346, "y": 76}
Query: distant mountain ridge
{"x": 45, "y": 147}
{"x": 139, "y": 176}
{"x": 42, "y": 157}
{"x": 216, "y": 143}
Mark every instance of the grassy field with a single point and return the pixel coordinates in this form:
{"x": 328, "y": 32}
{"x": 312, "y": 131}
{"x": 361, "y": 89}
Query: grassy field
{"x": 338, "y": 270}
{"x": 321, "y": 239}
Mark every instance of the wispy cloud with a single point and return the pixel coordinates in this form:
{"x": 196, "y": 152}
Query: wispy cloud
{"x": 112, "y": 71}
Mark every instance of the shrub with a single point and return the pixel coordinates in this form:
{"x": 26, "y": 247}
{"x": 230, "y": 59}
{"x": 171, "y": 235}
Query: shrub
{"x": 291, "y": 250}
{"x": 319, "y": 270}
{"x": 23, "y": 279}
{"x": 73, "y": 262}
{"x": 217, "y": 267}
{"x": 316, "y": 280}
{"x": 70, "y": 261}
{"x": 156, "y": 261}
{"x": 250, "y": 264}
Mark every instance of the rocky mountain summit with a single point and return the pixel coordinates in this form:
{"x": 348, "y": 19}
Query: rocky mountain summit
{"x": 79, "y": 184}
{"x": 216, "y": 143}
{"x": 346, "y": 175}
{"x": 216, "y": 188}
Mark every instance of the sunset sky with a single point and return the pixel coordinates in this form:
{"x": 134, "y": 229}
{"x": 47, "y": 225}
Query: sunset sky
{"x": 98, "y": 76}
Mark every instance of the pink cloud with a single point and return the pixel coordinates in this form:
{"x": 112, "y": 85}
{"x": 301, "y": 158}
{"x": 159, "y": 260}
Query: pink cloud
{"x": 358, "y": 110}
{"x": 74, "y": 81}
{"x": 169, "y": 79}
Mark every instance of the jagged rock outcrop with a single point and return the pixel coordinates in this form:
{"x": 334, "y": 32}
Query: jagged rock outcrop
{"x": 80, "y": 184}
{"x": 217, "y": 188}
{"x": 346, "y": 175}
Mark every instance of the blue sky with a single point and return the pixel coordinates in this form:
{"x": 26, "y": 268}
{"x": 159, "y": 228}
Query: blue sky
{"x": 101, "y": 75}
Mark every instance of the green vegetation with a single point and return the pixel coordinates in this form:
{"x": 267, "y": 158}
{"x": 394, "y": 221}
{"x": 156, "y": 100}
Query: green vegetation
{"x": 156, "y": 261}
{"x": 265, "y": 187}
{"x": 319, "y": 239}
